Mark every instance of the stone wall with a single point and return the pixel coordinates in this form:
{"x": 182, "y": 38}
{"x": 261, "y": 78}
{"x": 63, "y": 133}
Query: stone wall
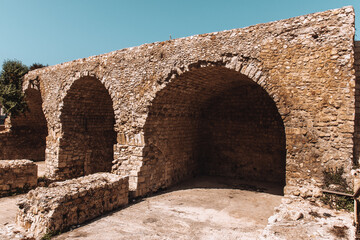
{"x": 236, "y": 131}
{"x": 303, "y": 64}
{"x": 17, "y": 176}
{"x": 244, "y": 136}
{"x": 24, "y": 136}
{"x": 88, "y": 129}
{"x": 72, "y": 202}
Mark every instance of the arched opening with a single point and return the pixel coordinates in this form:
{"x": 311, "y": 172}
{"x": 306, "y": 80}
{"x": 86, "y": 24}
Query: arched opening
{"x": 87, "y": 120}
{"x": 216, "y": 122}
{"x": 27, "y": 138}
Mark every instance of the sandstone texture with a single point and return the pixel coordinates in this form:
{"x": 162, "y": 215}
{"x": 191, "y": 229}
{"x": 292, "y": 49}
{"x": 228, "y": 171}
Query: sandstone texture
{"x": 68, "y": 203}
{"x": 211, "y": 208}
{"x": 17, "y": 176}
{"x": 274, "y": 102}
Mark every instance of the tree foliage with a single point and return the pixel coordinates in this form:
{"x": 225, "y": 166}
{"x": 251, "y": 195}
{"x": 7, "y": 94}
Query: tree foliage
{"x": 11, "y": 94}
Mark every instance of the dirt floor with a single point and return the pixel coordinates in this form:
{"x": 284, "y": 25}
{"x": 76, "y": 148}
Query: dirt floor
{"x": 8, "y": 209}
{"x": 8, "y": 206}
{"x": 204, "y": 208}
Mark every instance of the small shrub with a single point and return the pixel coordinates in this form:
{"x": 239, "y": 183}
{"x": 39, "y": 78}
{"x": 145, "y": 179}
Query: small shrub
{"x": 338, "y": 202}
{"x": 335, "y": 177}
{"x": 36, "y": 66}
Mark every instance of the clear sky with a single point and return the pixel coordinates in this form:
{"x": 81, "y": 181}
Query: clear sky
{"x": 56, "y": 31}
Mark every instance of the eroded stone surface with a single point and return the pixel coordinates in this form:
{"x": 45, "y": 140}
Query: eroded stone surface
{"x": 17, "y": 175}
{"x": 299, "y": 219}
{"x": 203, "y": 208}
{"x": 64, "y": 204}
{"x": 166, "y": 95}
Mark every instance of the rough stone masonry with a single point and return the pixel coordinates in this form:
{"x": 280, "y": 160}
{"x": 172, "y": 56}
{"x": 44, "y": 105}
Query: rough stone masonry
{"x": 72, "y": 202}
{"x": 273, "y": 102}
{"x": 17, "y": 176}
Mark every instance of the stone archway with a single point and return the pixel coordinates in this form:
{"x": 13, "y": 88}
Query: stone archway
{"x": 87, "y": 120}
{"x": 213, "y": 121}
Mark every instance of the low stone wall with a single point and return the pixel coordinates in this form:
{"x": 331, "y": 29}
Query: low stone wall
{"x": 17, "y": 175}
{"x": 22, "y": 143}
{"x": 72, "y": 202}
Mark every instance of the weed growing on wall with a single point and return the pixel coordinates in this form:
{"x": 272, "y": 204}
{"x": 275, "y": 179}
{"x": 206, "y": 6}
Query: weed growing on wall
{"x": 334, "y": 178}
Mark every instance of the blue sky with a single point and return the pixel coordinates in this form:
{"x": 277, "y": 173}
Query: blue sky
{"x": 52, "y": 32}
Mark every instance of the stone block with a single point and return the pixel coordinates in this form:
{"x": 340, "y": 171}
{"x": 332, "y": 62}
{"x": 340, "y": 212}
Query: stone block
{"x": 72, "y": 202}
{"x": 17, "y": 175}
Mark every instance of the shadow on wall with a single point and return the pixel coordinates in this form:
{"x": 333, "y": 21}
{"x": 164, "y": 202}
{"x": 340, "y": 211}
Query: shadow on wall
{"x": 88, "y": 130}
{"x": 216, "y": 122}
{"x": 27, "y": 136}
{"x": 356, "y": 138}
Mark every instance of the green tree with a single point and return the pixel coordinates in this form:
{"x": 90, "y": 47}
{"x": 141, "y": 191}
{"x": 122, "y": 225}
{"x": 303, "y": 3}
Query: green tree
{"x": 11, "y": 94}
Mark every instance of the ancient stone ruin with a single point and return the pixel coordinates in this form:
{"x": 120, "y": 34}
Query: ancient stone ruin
{"x": 275, "y": 102}
{"x": 72, "y": 202}
{"x": 17, "y": 176}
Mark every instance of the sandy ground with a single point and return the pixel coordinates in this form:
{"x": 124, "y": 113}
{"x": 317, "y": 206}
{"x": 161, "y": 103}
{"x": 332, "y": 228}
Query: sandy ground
{"x": 8, "y": 209}
{"x": 205, "y": 208}
{"x": 198, "y": 209}
{"x": 8, "y": 206}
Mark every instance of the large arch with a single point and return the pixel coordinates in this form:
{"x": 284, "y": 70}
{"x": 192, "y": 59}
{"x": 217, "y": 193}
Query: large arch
{"x": 88, "y": 135}
{"x": 214, "y": 121}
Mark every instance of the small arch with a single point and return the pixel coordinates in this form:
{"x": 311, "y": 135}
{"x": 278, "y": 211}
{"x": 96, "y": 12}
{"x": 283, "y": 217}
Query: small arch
{"x": 87, "y": 120}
